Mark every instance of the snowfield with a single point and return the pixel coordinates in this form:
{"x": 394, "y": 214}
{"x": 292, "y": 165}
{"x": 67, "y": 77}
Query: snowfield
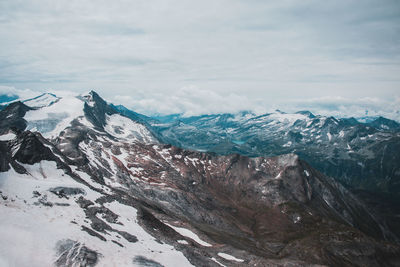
{"x": 31, "y": 227}
{"x": 51, "y": 120}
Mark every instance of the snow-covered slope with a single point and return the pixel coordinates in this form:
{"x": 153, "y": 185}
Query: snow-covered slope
{"x": 124, "y": 128}
{"x": 51, "y": 115}
{"x": 43, "y": 100}
{"x": 50, "y": 120}
{"x": 43, "y": 217}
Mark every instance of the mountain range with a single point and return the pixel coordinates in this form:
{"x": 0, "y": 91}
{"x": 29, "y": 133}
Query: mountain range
{"x": 88, "y": 183}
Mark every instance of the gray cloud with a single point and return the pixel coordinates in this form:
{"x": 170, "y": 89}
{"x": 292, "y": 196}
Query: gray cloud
{"x": 261, "y": 52}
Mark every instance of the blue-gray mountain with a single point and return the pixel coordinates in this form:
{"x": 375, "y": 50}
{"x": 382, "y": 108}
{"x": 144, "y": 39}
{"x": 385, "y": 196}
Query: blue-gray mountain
{"x": 365, "y": 157}
{"x": 360, "y": 155}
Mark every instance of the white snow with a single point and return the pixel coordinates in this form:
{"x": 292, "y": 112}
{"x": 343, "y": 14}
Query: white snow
{"x": 147, "y": 246}
{"x": 287, "y": 118}
{"x": 341, "y": 133}
{"x": 184, "y": 242}
{"x": 229, "y": 257}
{"x": 43, "y": 100}
{"x": 190, "y": 234}
{"x": 51, "y": 120}
{"x": 123, "y": 127}
{"x": 288, "y": 160}
{"x": 215, "y": 260}
{"x": 7, "y": 137}
{"x": 29, "y": 232}
{"x": 306, "y": 173}
{"x": 329, "y": 136}
{"x": 288, "y": 144}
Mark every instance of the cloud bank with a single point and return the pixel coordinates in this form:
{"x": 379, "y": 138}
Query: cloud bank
{"x": 192, "y": 101}
{"x": 243, "y": 54}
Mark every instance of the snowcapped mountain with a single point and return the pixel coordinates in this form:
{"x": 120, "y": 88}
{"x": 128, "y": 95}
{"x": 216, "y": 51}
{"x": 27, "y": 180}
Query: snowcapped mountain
{"x": 362, "y": 155}
{"x": 86, "y": 183}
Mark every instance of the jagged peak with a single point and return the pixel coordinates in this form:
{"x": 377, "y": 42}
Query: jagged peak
{"x": 92, "y": 98}
{"x": 306, "y": 112}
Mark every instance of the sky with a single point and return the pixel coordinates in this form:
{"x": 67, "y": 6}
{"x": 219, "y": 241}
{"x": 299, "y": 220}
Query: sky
{"x": 337, "y": 57}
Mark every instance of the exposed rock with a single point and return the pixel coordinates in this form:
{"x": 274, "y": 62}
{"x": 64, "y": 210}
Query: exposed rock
{"x": 67, "y": 191}
{"x": 93, "y": 233}
{"x": 12, "y": 117}
{"x": 72, "y": 253}
{"x": 143, "y": 261}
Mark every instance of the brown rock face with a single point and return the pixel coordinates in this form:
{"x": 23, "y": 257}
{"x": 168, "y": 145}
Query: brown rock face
{"x": 268, "y": 211}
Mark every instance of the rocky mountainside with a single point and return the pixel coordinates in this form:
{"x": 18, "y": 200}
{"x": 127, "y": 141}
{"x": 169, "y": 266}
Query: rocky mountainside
{"x": 361, "y": 155}
{"x": 82, "y": 184}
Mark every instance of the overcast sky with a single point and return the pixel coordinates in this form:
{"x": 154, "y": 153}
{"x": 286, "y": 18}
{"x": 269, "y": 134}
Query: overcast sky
{"x": 208, "y": 56}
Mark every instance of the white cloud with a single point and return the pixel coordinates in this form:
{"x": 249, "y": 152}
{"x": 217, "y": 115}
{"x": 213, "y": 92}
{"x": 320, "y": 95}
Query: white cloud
{"x": 21, "y": 93}
{"x": 349, "y": 107}
{"x": 239, "y": 52}
{"x": 192, "y": 100}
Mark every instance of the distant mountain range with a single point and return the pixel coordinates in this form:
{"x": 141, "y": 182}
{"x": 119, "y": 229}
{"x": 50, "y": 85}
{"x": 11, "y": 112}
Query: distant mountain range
{"x": 361, "y": 155}
{"x": 87, "y": 183}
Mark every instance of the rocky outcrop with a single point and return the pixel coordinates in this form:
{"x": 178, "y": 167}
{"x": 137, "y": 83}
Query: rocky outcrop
{"x": 12, "y": 117}
{"x": 96, "y": 109}
{"x": 73, "y": 253}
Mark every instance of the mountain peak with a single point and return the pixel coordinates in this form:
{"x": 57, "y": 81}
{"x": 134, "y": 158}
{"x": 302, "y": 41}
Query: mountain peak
{"x": 384, "y": 124}
{"x": 307, "y": 113}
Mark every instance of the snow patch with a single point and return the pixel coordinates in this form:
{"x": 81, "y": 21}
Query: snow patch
{"x": 288, "y": 144}
{"x": 229, "y": 257}
{"x": 190, "y": 234}
{"x": 124, "y": 128}
{"x": 7, "y": 137}
{"x": 215, "y": 260}
{"x": 329, "y": 136}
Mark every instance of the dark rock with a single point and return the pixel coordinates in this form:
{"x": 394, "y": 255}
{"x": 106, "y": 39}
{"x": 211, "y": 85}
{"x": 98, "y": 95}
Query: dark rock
{"x": 73, "y": 253}
{"x": 83, "y": 202}
{"x": 36, "y": 194}
{"x": 67, "y": 191}
{"x": 12, "y": 117}
{"x": 31, "y": 150}
{"x": 93, "y": 233}
{"x": 128, "y": 236}
{"x": 119, "y": 244}
{"x": 43, "y": 201}
{"x": 143, "y": 261}
{"x": 96, "y": 113}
